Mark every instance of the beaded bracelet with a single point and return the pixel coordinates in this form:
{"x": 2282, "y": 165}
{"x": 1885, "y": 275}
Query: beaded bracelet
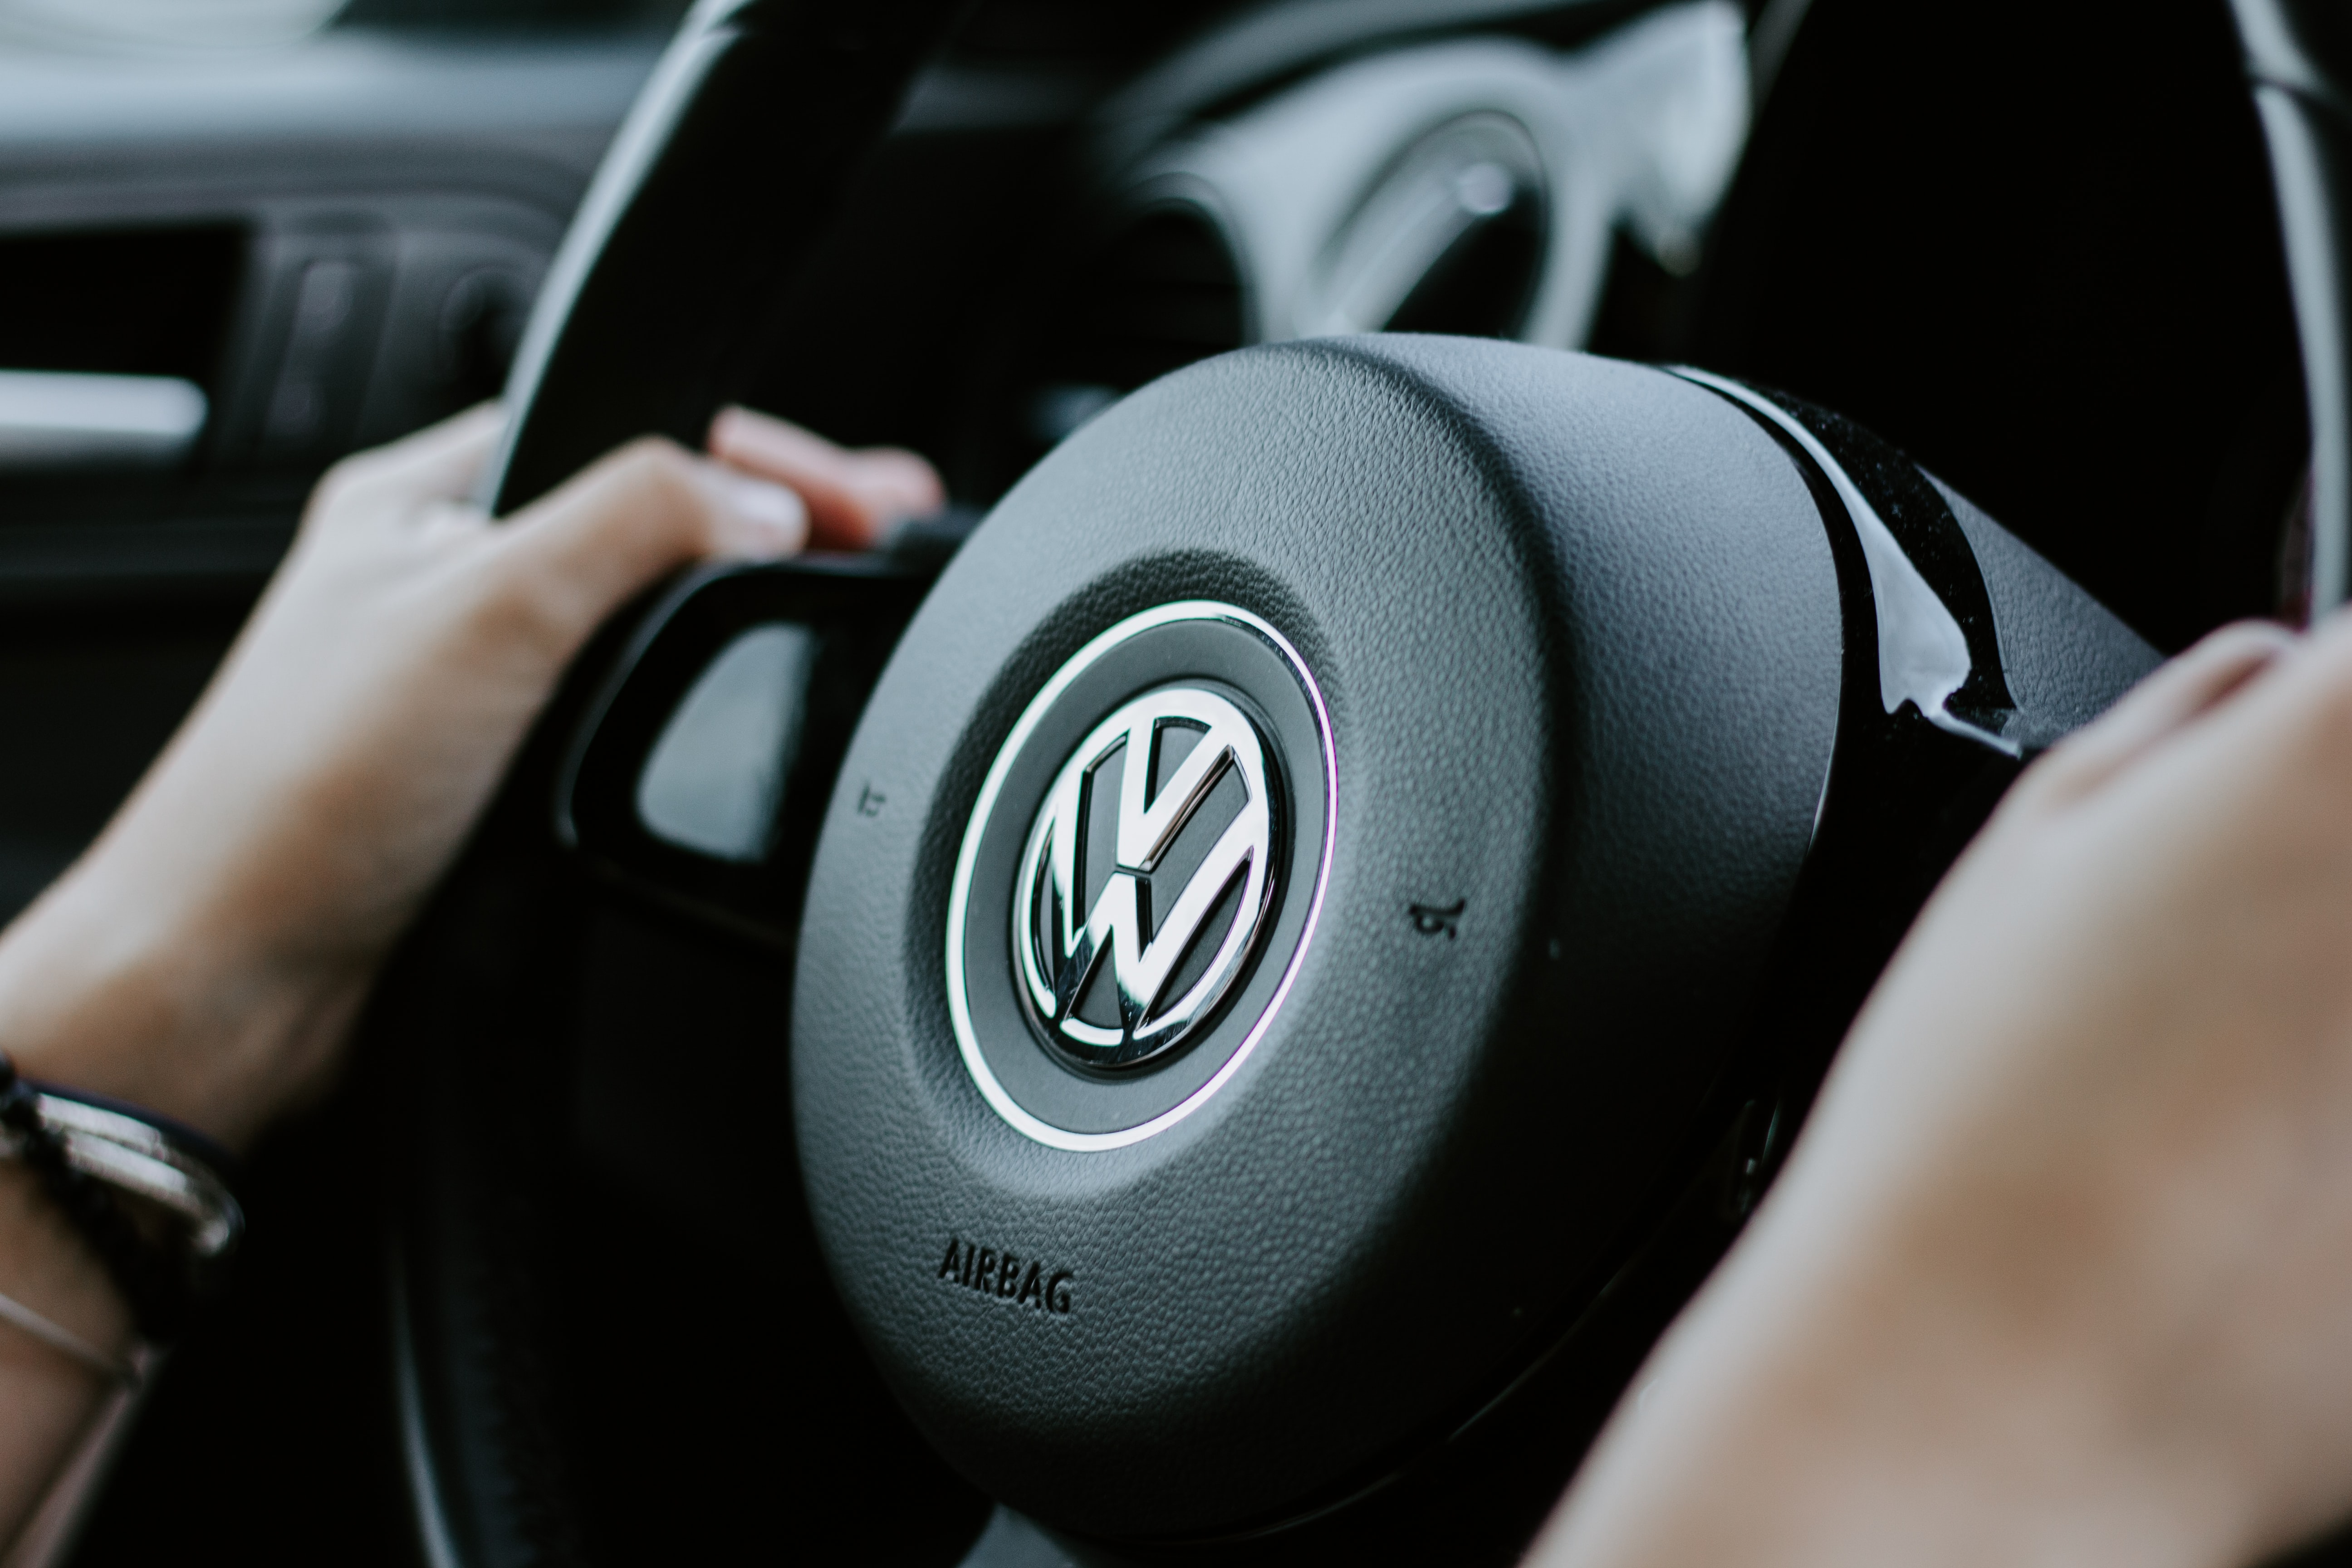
{"x": 145, "y": 1194}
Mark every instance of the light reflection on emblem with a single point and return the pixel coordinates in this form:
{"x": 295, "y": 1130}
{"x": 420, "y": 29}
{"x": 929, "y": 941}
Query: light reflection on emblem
{"x": 1128, "y": 973}
{"x": 1158, "y": 917}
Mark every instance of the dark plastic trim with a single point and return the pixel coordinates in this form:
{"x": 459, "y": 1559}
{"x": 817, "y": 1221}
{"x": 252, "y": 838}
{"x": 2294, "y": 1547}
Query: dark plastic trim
{"x": 856, "y": 606}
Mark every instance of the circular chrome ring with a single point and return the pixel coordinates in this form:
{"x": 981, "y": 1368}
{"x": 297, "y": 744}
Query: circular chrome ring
{"x": 984, "y": 809}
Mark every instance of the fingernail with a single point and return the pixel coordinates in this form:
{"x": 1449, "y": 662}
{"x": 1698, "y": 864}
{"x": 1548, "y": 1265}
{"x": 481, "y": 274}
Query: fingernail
{"x": 770, "y": 509}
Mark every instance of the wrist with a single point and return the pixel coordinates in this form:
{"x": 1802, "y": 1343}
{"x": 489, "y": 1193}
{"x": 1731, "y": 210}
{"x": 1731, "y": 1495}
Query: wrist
{"x": 1952, "y": 1424}
{"x": 115, "y": 987}
{"x": 1846, "y": 1391}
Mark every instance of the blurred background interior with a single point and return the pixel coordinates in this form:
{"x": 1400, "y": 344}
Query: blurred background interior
{"x": 2031, "y": 243}
{"x": 241, "y": 237}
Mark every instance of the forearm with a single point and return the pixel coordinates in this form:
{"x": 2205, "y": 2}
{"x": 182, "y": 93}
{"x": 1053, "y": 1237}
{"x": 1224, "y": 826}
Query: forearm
{"x": 111, "y": 983}
{"x": 1815, "y": 1407}
{"x": 105, "y": 987}
{"x": 2059, "y": 1270}
{"x": 205, "y": 959}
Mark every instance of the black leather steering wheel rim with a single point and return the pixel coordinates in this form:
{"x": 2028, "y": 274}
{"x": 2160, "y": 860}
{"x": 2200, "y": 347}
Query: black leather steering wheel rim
{"x": 731, "y": 165}
{"x": 706, "y": 127}
{"x": 728, "y": 169}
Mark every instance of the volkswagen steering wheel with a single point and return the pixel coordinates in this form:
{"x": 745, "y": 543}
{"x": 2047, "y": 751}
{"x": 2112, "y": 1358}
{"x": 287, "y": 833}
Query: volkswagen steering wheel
{"x": 1262, "y": 986}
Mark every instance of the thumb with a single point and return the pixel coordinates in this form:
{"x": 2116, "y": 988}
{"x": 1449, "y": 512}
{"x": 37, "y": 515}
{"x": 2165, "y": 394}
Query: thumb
{"x": 632, "y": 516}
{"x": 2161, "y": 706}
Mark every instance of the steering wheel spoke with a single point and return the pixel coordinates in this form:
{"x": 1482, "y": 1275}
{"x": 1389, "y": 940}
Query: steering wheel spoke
{"x": 698, "y": 773}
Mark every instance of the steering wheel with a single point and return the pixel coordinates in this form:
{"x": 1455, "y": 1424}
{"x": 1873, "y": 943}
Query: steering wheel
{"x": 1238, "y": 1012}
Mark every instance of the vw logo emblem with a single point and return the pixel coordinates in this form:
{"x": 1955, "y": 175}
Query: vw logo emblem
{"x": 1140, "y": 875}
{"x": 1119, "y": 974}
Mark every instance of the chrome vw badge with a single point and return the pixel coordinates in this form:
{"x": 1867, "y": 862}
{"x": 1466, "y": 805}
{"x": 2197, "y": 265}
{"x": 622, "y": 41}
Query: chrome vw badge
{"x": 1140, "y": 875}
{"x": 1151, "y": 954}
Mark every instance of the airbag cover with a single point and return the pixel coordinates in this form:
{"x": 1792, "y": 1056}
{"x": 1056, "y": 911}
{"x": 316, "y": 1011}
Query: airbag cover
{"x": 1530, "y": 663}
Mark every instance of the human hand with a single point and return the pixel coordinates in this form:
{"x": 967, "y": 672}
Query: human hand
{"x": 2061, "y": 1270}
{"x": 853, "y": 497}
{"x": 207, "y": 956}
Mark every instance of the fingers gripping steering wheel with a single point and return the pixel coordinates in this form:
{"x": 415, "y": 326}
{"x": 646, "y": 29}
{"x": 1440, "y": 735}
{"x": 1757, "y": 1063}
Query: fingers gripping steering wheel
{"x": 1297, "y": 958}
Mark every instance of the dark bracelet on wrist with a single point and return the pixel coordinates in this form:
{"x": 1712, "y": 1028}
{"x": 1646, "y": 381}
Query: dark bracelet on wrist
{"x": 147, "y": 1194}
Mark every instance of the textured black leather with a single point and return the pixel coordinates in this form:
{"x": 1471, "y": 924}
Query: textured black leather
{"x": 1579, "y": 629}
{"x": 2064, "y": 656}
{"x": 478, "y": 1121}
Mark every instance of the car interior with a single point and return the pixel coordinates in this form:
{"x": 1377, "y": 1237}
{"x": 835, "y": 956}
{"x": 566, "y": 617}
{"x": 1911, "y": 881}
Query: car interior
{"x": 688, "y": 1202}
